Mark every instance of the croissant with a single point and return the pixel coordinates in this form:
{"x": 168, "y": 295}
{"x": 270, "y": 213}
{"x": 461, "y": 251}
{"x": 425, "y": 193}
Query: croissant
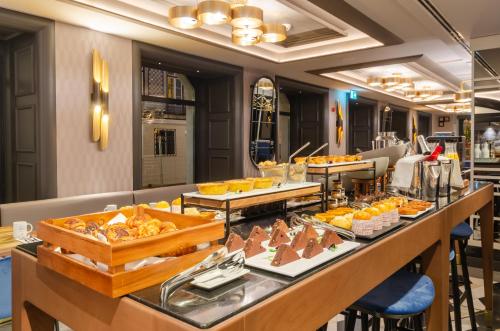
{"x": 75, "y": 224}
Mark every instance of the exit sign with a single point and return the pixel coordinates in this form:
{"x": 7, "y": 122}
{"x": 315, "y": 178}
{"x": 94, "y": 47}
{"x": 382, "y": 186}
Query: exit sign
{"x": 353, "y": 95}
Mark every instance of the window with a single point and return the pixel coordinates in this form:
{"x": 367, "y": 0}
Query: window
{"x": 164, "y": 141}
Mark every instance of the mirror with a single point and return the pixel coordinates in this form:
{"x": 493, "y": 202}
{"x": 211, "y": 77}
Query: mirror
{"x": 263, "y": 121}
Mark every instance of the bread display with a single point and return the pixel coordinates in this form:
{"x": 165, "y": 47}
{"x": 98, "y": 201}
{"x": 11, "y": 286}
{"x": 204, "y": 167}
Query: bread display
{"x": 278, "y": 237}
{"x": 258, "y": 234}
{"x": 312, "y": 249}
{"x": 280, "y": 224}
{"x": 376, "y": 219}
{"x": 234, "y": 242}
{"x": 263, "y": 183}
{"x": 253, "y": 247}
{"x": 310, "y": 232}
{"x": 284, "y": 255}
{"x": 329, "y": 159}
{"x": 297, "y": 173}
{"x": 213, "y": 188}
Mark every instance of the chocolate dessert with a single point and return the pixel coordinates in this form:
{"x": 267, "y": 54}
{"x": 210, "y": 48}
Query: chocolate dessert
{"x": 310, "y": 232}
{"x": 284, "y": 255}
{"x": 253, "y": 247}
{"x": 330, "y": 238}
{"x": 312, "y": 249}
{"x": 278, "y": 237}
{"x": 258, "y": 234}
{"x": 299, "y": 241}
{"x": 234, "y": 242}
{"x": 280, "y": 224}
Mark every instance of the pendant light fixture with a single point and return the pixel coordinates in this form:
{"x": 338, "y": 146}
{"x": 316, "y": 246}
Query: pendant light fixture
{"x": 463, "y": 95}
{"x": 246, "y": 37}
{"x": 214, "y": 12}
{"x": 374, "y": 81}
{"x": 273, "y": 32}
{"x": 183, "y": 17}
{"x": 247, "y": 17}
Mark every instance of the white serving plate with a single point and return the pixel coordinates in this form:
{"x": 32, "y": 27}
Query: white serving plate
{"x": 420, "y": 213}
{"x": 215, "y": 279}
{"x": 292, "y": 269}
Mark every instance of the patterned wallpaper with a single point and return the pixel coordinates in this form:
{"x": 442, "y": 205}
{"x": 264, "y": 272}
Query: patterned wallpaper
{"x": 81, "y": 167}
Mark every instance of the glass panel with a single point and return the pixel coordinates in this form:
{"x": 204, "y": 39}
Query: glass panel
{"x": 167, "y": 128}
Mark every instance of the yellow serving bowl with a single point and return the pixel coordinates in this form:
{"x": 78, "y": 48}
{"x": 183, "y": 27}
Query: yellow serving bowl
{"x": 264, "y": 182}
{"x": 213, "y": 188}
{"x": 240, "y": 185}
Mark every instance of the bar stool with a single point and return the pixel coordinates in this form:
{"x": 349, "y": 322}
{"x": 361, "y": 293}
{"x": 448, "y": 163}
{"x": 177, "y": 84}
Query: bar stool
{"x": 460, "y": 234}
{"x": 404, "y": 295}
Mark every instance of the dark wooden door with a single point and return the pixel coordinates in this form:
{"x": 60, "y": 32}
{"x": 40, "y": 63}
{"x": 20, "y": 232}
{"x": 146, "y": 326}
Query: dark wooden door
{"x": 307, "y": 111}
{"x": 400, "y": 124}
{"x": 25, "y": 119}
{"x": 215, "y": 146}
{"x": 424, "y": 124}
{"x": 360, "y": 127}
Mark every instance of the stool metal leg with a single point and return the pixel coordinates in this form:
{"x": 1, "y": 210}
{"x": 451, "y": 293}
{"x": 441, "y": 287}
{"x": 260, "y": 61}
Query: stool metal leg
{"x": 376, "y": 324}
{"x": 350, "y": 321}
{"x": 456, "y": 295}
{"x": 468, "y": 291}
{"x": 417, "y": 320}
{"x": 364, "y": 322}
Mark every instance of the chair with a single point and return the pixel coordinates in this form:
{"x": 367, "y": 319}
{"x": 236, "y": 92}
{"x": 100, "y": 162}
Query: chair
{"x": 364, "y": 179}
{"x": 460, "y": 235}
{"x": 34, "y": 211}
{"x": 404, "y": 295}
{"x": 167, "y": 193}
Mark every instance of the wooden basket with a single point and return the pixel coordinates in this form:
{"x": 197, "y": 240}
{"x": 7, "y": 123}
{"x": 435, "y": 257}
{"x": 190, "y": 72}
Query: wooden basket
{"x": 192, "y": 230}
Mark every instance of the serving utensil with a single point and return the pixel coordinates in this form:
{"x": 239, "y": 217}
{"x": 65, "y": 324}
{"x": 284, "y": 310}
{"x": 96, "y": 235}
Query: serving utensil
{"x": 298, "y": 151}
{"x": 297, "y": 220}
{"x": 316, "y": 151}
{"x": 218, "y": 260}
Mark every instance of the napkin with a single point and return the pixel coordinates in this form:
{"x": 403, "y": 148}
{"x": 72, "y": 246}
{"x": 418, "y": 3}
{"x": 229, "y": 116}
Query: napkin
{"x": 403, "y": 171}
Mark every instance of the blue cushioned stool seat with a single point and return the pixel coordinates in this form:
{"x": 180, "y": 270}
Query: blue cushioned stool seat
{"x": 452, "y": 254}
{"x": 5, "y": 287}
{"x": 461, "y": 231}
{"x": 404, "y": 293}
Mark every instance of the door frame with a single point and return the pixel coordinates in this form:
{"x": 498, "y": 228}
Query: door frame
{"x": 374, "y": 118}
{"x": 282, "y": 82}
{"x": 188, "y": 61}
{"x": 44, "y": 30}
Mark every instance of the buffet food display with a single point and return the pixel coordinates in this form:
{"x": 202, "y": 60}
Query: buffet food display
{"x": 122, "y": 251}
{"x": 328, "y": 159}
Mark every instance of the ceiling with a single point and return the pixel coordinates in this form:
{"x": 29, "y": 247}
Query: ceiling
{"x": 404, "y": 36}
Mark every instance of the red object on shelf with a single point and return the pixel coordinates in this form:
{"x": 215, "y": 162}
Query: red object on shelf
{"x": 435, "y": 153}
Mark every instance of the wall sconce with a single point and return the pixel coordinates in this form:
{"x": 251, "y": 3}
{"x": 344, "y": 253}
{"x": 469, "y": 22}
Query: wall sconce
{"x": 100, "y": 98}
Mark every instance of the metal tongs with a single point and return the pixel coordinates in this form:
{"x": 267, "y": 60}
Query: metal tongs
{"x": 298, "y": 151}
{"x": 217, "y": 260}
{"x": 316, "y": 151}
{"x": 297, "y": 220}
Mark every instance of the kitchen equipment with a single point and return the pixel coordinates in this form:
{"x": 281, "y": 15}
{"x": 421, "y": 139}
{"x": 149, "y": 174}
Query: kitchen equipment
{"x": 447, "y": 137}
{"x": 429, "y": 179}
{"x": 385, "y": 139}
{"x": 445, "y": 177}
{"x": 450, "y": 150}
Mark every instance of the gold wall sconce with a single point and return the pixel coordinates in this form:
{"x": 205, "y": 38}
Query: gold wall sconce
{"x": 100, "y": 100}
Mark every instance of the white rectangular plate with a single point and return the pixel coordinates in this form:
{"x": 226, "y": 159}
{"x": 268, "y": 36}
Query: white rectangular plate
{"x": 420, "y": 213}
{"x": 218, "y": 280}
{"x": 292, "y": 269}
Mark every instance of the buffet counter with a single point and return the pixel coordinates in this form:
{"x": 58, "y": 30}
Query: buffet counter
{"x": 260, "y": 300}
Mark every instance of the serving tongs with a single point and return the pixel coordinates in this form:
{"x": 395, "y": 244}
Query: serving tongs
{"x": 316, "y": 151}
{"x": 218, "y": 260}
{"x": 304, "y": 219}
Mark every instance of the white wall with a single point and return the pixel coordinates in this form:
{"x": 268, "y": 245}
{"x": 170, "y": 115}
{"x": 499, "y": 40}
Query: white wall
{"x": 452, "y": 125}
{"x": 81, "y": 167}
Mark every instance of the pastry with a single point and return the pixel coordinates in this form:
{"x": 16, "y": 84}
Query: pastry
{"x": 264, "y": 182}
{"x": 385, "y": 213}
{"x": 234, "y": 242}
{"x": 258, "y": 234}
{"x": 119, "y": 232}
{"x": 300, "y": 159}
{"x": 278, "y": 237}
{"x": 280, "y": 224}
{"x": 284, "y": 255}
{"x": 407, "y": 211}
{"x": 149, "y": 228}
{"x": 75, "y": 224}
{"x": 166, "y": 227}
{"x": 299, "y": 241}
{"x": 362, "y": 223}
{"x": 330, "y": 238}
{"x": 240, "y": 185}
{"x": 312, "y": 249}
{"x": 267, "y": 164}
{"x": 310, "y": 232}
{"x": 324, "y": 217}
{"x": 342, "y": 222}
{"x": 162, "y": 205}
{"x": 376, "y": 219}
{"x": 253, "y": 247}
{"x": 212, "y": 188}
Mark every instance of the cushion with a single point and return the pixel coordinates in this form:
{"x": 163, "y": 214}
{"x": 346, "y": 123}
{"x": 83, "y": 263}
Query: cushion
{"x": 461, "y": 231}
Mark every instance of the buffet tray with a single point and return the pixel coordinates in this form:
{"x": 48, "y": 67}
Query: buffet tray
{"x": 336, "y": 164}
{"x": 263, "y": 261}
{"x": 420, "y": 213}
{"x": 116, "y": 280}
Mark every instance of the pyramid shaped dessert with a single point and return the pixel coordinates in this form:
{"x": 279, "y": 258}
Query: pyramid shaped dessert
{"x": 299, "y": 241}
{"x": 284, "y": 255}
{"x": 330, "y": 238}
{"x": 280, "y": 224}
{"x": 310, "y": 232}
{"x": 258, "y": 234}
{"x": 278, "y": 237}
{"x": 234, "y": 242}
{"x": 312, "y": 249}
{"x": 253, "y": 247}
